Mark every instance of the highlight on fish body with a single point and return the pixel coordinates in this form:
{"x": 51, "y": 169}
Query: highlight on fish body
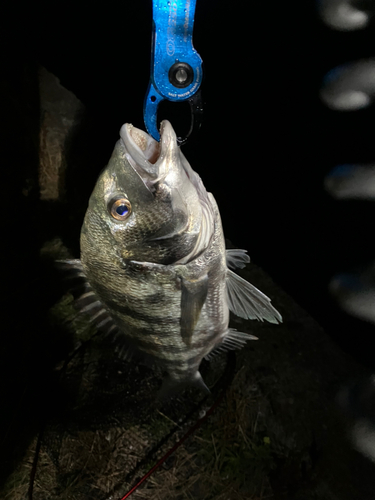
{"x": 153, "y": 264}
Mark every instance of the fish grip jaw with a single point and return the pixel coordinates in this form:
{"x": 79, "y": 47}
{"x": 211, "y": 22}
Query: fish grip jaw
{"x": 152, "y": 101}
{"x": 176, "y": 67}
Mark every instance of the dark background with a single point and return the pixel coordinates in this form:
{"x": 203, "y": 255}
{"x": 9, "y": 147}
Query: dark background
{"x": 265, "y": 146}
{"x": 266, "y": 142}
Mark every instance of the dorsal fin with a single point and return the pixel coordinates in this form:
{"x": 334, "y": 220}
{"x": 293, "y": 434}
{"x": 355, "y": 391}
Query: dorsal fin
{"x": 88, "y": 303}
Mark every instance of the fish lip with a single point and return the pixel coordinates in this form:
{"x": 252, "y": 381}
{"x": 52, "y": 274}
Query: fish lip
{"x": 167, "y": 135}
{"x": 144, "y": 149}
{"x": 146, "y": 155}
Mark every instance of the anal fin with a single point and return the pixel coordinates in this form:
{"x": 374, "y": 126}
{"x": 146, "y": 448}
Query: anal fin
{"x": 232, "y": 341}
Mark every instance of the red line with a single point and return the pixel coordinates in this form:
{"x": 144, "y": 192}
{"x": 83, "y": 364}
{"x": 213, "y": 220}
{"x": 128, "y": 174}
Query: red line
{"x": 179, "y": 443}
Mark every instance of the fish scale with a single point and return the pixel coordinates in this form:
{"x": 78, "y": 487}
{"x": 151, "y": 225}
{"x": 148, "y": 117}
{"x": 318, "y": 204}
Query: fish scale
{"x": 154, "y": 262}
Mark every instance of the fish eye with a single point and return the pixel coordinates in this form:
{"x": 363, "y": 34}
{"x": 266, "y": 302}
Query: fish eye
{"x": 120, "y": 208}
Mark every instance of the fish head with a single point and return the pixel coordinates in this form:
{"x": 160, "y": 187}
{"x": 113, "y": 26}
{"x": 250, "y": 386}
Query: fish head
{"x": 148, "y": 204}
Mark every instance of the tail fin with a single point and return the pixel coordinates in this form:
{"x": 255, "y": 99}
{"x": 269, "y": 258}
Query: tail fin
{"x": 171, "y": 386}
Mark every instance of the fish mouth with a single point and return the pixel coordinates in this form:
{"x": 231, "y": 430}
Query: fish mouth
{"x": 145, "y": 154}
{"x": 140, "y": 145}
{"x": 158, "y": 162}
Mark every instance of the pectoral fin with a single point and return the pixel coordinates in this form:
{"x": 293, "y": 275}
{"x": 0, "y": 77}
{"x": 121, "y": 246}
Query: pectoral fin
{"x": 193, "y": 296}
{"x": 248, "y": 302}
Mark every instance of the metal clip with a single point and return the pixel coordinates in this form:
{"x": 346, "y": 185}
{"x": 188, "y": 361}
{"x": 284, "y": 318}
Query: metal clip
{"x": 176, "y": 67}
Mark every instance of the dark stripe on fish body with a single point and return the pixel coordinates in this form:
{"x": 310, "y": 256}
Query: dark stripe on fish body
{"x": 87, "y": 296}
{"x": 170, "y": 327}
{"x": 145, "y": 340}
{"x": 111, "y": 291}
{"x": 144, "y": 337}
{"x": 101, "y": 312}
{"x": 104, "y": 322}
{"x": 93, "y": 306}
{"x": 142, "y": 316}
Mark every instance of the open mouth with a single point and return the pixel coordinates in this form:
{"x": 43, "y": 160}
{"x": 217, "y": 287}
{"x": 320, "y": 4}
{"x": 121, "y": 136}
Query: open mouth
{"x": 146, "y": 155}
{"x": 144, "y": 143}
{"x": 142, "y": 147}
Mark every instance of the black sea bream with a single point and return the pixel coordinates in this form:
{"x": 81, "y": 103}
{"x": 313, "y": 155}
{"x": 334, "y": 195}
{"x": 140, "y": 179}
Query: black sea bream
{"x": 153, "y": 255}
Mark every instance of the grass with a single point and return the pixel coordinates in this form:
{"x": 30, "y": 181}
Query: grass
{"x": 229, "y": 458}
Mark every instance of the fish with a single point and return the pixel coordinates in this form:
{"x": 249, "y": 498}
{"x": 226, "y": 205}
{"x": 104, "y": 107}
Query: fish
{"x": 154, "y": 265}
